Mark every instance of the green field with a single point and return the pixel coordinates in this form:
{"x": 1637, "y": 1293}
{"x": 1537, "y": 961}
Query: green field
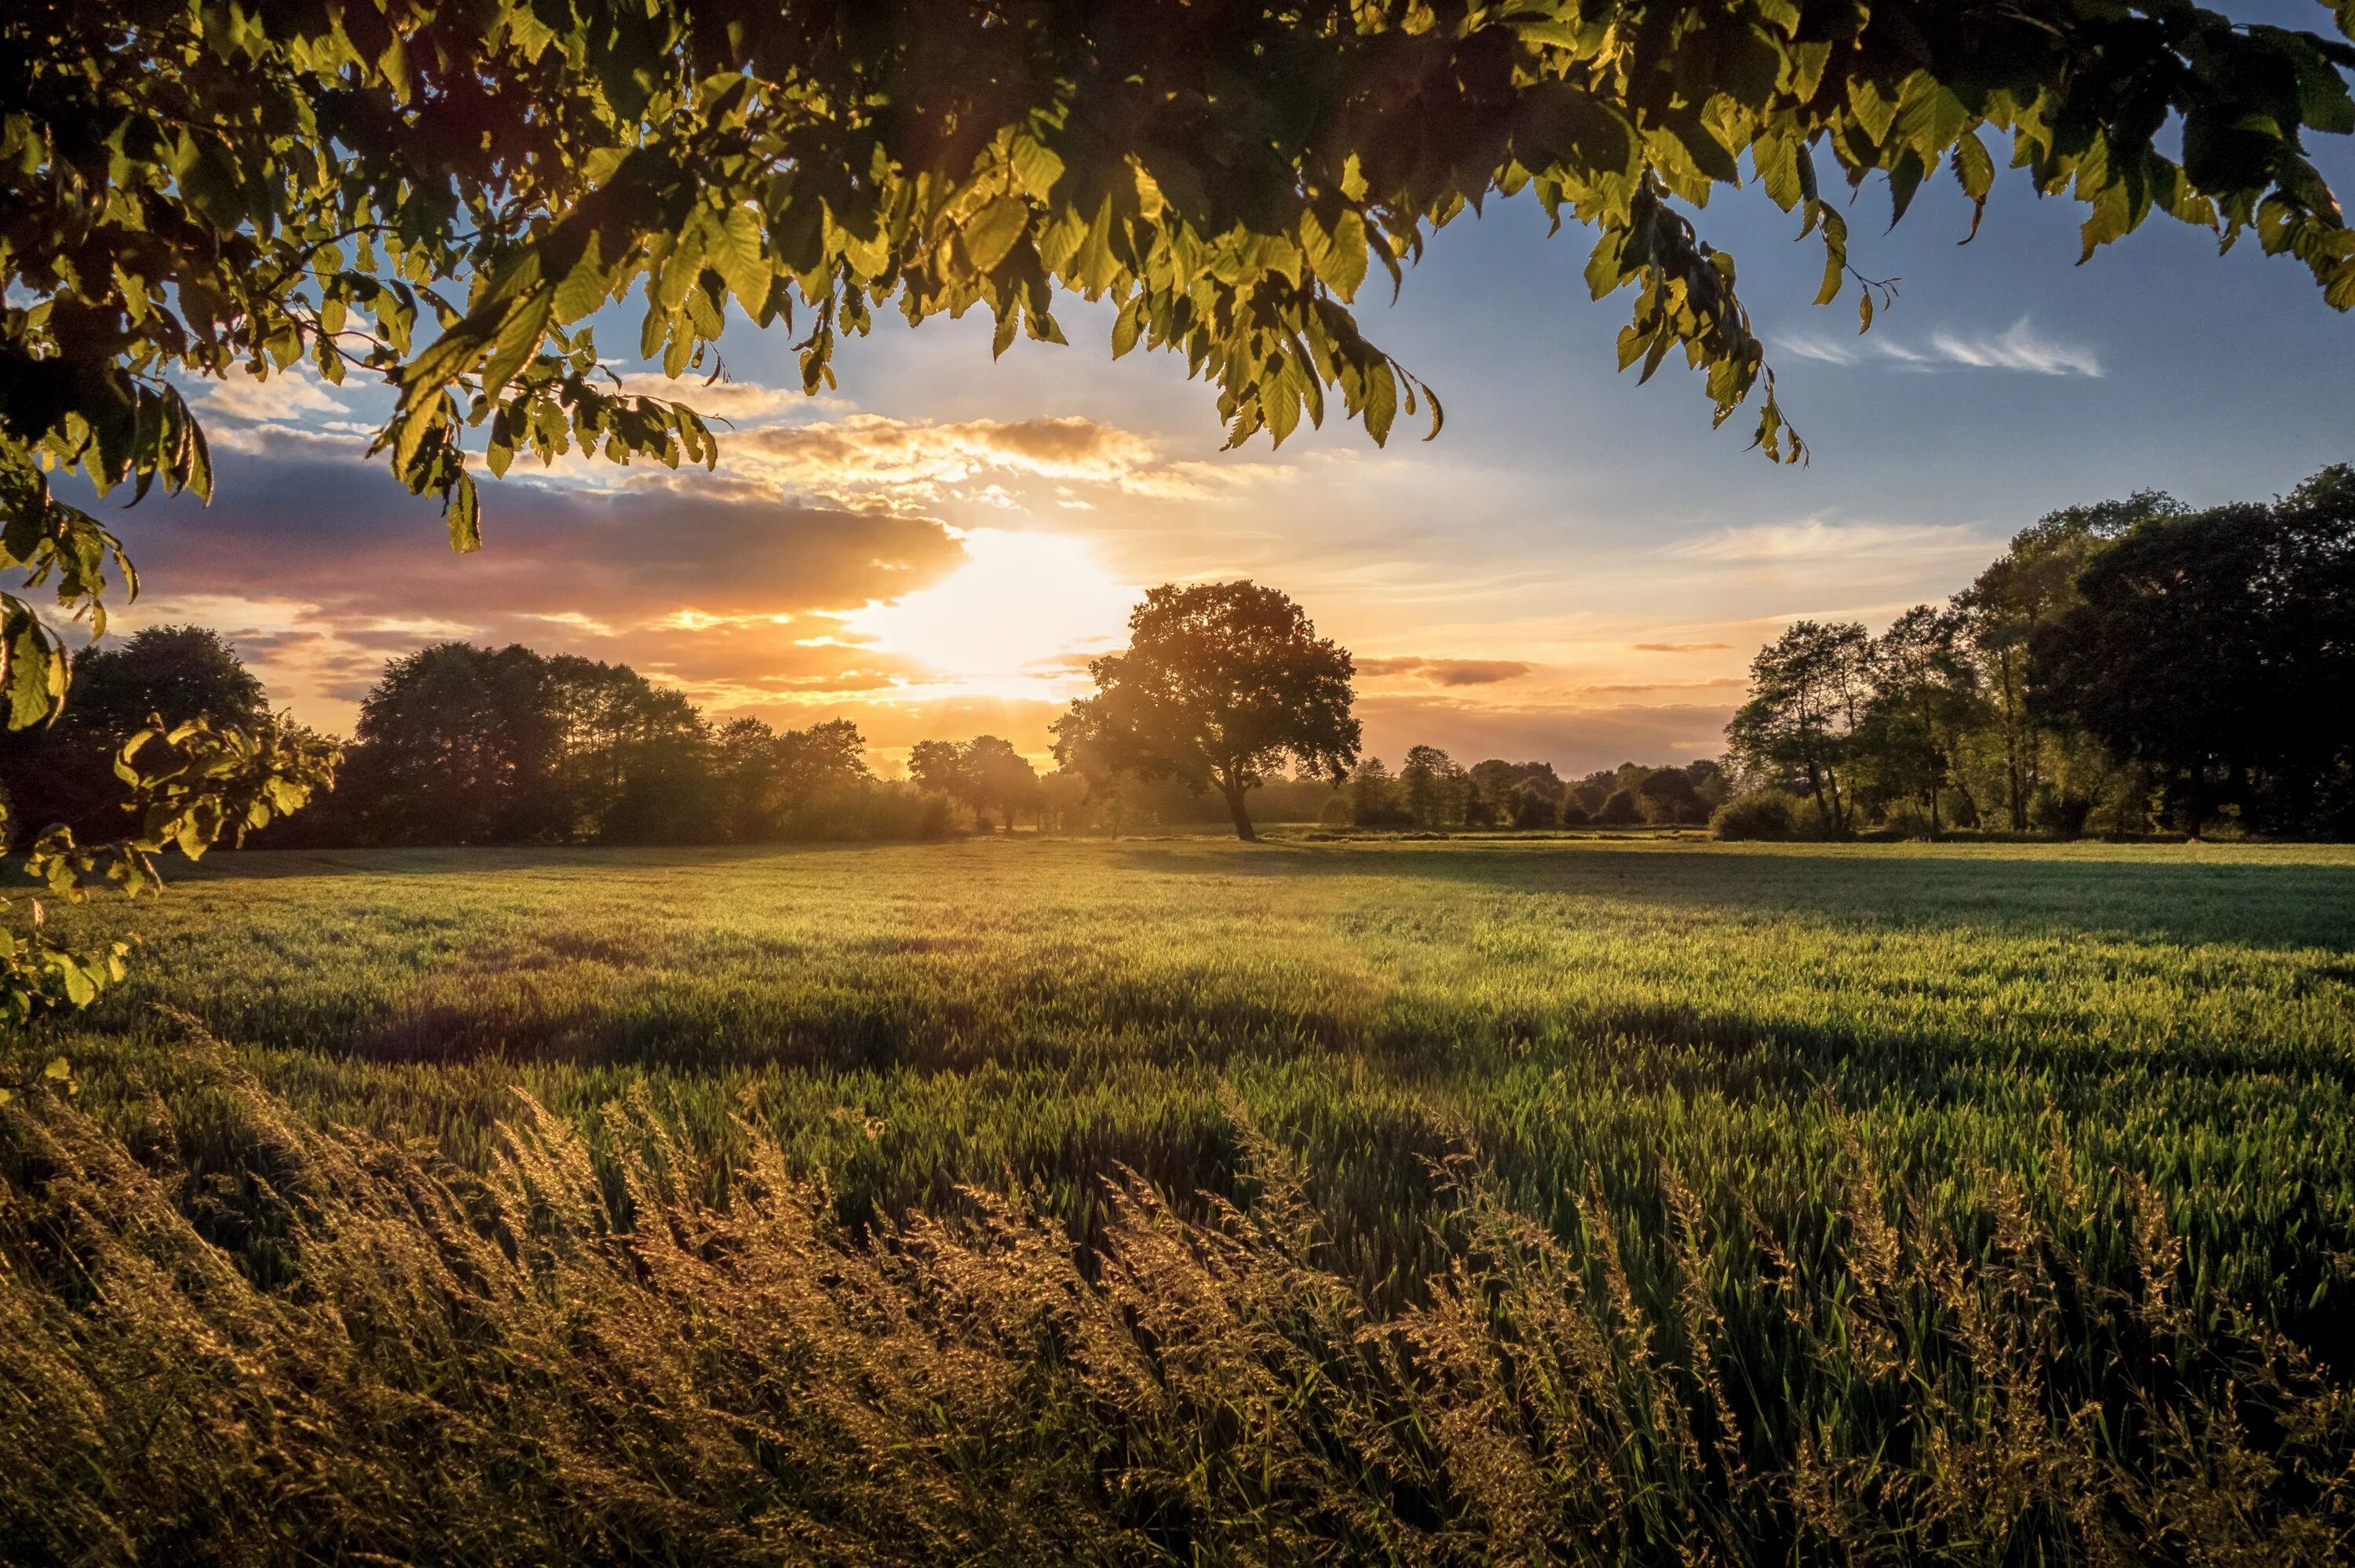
{"x": 1454, "y": 1200}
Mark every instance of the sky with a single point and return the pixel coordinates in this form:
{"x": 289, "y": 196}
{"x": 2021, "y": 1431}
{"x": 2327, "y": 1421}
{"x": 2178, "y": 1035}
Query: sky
{"x": 1577, "y": 570}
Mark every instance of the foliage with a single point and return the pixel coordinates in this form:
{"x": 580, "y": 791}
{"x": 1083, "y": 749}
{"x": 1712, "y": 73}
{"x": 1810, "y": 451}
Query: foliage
{"x": 1667, "y": 795}
{"x": 63, "y": 772}
{"x": 1810, "y": 688}
{"x": 1490, "y": 1201}
{"x": 1759, "y": 814}
{"x": 1925, "y": 701}
{"x": 1220, "y": 684}
{"x": 2116, "y": 653}
{"x": 192, "y": 187}
{"x": 1372, "y": 794}
{"x": 465, "y": 745}
{"x": 798, "y": 784}
{"x": 2013, "y": 599}
{"x": 186, "y": 785}
{"x": 1433, "y": 790}
{"x": 1528, "y": 805}
{"x": 985, "y": 774}
{"x": 2218, "y": 649}
{"x": 95, "y": 801}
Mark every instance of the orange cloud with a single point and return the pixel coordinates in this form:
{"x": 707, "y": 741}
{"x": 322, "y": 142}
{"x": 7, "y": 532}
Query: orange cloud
{"x": 1447, "y": 672}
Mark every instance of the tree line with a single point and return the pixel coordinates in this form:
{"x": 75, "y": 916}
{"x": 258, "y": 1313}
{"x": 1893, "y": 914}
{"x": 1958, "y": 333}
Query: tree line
{"x": 2122, "y": 667}
{"x": 464, "y": 744}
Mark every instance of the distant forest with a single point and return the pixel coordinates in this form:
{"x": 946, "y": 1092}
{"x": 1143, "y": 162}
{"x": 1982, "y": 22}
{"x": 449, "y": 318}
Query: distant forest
{"x": 2124, "y": 668}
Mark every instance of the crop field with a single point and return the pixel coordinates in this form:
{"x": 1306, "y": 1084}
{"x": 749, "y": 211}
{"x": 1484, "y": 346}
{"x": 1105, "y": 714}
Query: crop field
{"x": 1185, "y": 1201}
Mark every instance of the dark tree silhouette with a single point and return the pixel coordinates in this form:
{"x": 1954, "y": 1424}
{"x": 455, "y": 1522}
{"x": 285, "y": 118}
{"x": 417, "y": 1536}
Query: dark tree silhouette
{"x": 65, "y": 773}
{"x": 2218, "y": 648}
{"x": 1220, "y": 684}
{"x": 455, "y": 745}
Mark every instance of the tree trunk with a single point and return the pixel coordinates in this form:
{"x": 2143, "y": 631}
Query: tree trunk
{"x": 1243, "y": 828}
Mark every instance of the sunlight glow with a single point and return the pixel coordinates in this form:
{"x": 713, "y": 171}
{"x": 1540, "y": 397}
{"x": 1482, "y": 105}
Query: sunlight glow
{"x": 1017, "y": 619}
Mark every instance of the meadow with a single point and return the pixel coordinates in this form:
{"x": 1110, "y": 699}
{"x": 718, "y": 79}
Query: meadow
{"x": 1180, "y": 1200}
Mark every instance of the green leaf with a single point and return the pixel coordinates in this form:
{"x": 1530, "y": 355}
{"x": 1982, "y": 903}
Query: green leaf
{"x": 466, "y": 512}
{"x": 1034, "y": 164}
{"x": 735, "y": 255}
{"x": 990, "y": 233}
{"x": 1381, "y": 401}
{"x": 1127, "y": 326}
{"x": 585, "y": 288}
{"x": 1338, "y": 254}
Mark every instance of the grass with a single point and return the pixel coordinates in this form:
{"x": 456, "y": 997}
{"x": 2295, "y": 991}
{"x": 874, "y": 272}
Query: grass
{"x": 1181, "y": 1200}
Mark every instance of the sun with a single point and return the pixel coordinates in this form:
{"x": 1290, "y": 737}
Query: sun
{"x": 1010, "y": 620}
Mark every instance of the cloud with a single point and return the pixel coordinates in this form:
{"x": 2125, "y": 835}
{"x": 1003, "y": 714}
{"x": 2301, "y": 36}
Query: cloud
{"x": 1446, "y": 672}
{"x": 1813, "y": 539}
{"x": 284, "y": 398}
{"x": 741, "y": 403}
{"x": 324, "y": 567}
{"x": 867, "y": 455}
{"x": 869, "y": 460}
{"x": 1678, "y": 647}
{"x": 2020, "y": 348}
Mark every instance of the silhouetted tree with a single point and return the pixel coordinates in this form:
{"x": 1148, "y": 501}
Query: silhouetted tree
{"x": 1220, "y": 683}
{"x": 1373, "y": 796}
{"x": 455, "y": 745}
{"x": 999, "y": 779}
{"x": 2218, "y": 648}
{"x": 1620, "y": 808}
{"x": 1667, "y": 796}
{"x": 65, "y": 773}
{"x": 1531, "y": 807}
{"x": 1434, "y": 787}
{"x": 984, "y": 774}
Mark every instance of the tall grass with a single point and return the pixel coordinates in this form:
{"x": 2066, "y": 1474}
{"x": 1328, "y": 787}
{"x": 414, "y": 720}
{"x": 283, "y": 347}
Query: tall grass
{"x": 1414, "y": 1204}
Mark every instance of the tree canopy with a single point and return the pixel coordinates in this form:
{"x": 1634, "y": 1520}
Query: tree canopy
{"x": 2134, "y": 659}
{"x": 2218, "y": 649}
{"x": 1220, "y": 683}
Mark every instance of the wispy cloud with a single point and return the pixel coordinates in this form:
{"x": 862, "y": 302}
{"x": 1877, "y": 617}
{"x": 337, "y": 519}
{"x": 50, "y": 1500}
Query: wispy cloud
{"x": 2020, "y": 347}
{"x": 1678, "y": 647}
{"x": 1813, "y": 539}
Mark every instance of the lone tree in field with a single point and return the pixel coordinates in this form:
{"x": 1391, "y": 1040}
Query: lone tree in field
{"x": 1222, "y": 683}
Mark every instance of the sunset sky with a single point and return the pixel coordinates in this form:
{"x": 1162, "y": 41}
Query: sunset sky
{"x": 1577, "y": 570}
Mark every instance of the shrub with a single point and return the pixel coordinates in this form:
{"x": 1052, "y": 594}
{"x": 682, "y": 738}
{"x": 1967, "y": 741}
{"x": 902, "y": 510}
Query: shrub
{"x": 1574, "y": 815}
{"x": 2056, "y": 812}
{"x": 1668, "y": 797}
{"x": 1623, "y": 806}
{"x": 1907, "y": 820}
{"x": 1533, "y": 808}
{"x": 1761, "y": 814}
